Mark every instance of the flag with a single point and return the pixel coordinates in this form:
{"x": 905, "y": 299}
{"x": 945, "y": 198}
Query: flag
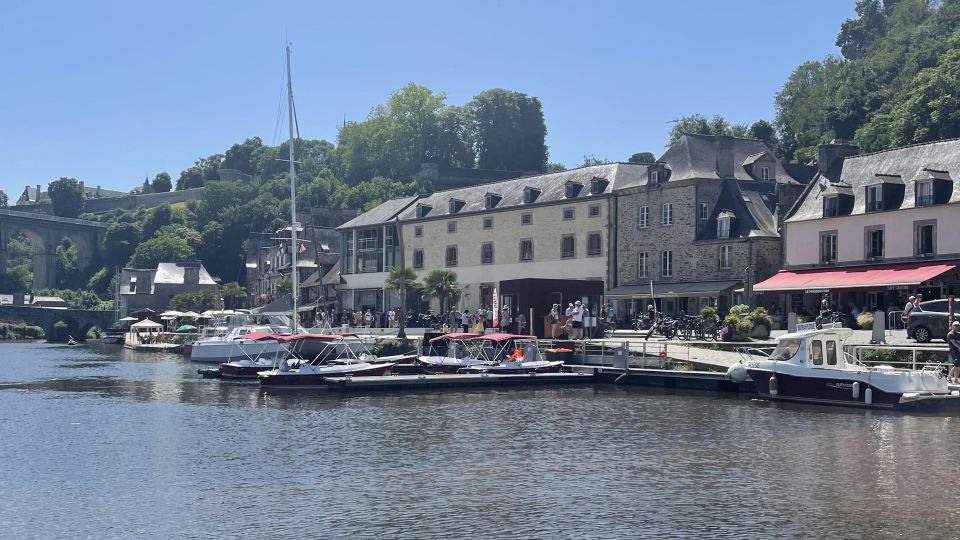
{"x": 496, "y": 309}
{"x": 302, "y": 248}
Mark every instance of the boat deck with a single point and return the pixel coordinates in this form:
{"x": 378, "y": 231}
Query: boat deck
{"x": 154, "y": 347}
{"x": 426, "y": 382}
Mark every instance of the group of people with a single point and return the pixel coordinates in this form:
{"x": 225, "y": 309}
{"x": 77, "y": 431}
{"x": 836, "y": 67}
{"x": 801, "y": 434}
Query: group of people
{"x": 574, "y": 313}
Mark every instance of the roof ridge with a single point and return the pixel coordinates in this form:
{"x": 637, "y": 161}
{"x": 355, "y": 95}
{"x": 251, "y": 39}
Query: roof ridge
{"x": 432, "y": 193}
{"x": 911, "y": 145}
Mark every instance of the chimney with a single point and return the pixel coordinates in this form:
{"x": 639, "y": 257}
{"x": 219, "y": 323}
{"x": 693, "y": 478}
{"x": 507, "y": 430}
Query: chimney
{"x": 191, "y": 273}
{"x": 38, "y": 193}
{"x": 724, "y": 146}
{"x": 831, "y": 153}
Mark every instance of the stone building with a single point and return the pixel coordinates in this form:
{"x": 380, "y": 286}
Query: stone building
{"x": 153, "y": 288}
{"x": 701, "y": 227}
{"x": 871, "y": 229}
{"x": 537, "y": 240}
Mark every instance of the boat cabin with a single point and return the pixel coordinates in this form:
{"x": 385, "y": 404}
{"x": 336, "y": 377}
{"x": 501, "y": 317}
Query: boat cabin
{"x": 448, "y": 344}
{"x": 815, "y": 348}
{"x": 500, "y": 347}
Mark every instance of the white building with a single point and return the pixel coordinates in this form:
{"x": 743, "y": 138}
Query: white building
{"x": 871, "y": 229}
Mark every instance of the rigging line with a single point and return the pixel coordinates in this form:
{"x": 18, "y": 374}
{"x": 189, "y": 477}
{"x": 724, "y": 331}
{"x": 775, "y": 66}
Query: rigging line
{"x": 281, "y": 105}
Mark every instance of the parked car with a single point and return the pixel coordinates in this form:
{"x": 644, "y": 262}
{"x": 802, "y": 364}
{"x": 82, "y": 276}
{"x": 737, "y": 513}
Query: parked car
{"x": 931, "y": 323}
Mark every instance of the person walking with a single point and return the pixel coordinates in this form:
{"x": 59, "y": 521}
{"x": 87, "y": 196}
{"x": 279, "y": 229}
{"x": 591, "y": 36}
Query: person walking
{"x": 953, "y": 343}
{"x": 577, "y": 315}
{"x": 554, "y": 319}
{"x": 465, "y": 320}
{"x": 391, "y": 317}
{"x": 521, "y": 323}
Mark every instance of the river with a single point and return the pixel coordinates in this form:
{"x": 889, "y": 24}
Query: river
{"x": 100, "y": 442}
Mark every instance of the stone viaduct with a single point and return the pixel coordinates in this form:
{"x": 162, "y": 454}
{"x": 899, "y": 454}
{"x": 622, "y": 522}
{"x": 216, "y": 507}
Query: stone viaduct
{"x": 45, "y": 232}
{"x": 78, "y": 321}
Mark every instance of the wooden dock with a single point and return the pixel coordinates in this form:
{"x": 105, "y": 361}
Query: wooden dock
{"x": 449, "y": 380}
{"x": 668, "y": 378}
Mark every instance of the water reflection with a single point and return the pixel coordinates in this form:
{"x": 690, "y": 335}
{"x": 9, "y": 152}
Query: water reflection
{"x": 121, "y": 444}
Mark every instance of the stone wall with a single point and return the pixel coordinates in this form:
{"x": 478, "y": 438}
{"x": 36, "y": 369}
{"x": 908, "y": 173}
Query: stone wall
{"x": 126, "y": 202}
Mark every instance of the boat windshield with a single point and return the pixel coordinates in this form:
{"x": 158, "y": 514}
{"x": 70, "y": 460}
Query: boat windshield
{"x": 786, "y": 349}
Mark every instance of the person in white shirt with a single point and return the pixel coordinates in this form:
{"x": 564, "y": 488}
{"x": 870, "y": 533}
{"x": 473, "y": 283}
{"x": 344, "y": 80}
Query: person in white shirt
{"x": 391, "y": 317}
{"x": 577, "y": 315}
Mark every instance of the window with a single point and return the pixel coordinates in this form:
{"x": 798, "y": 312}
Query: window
{"x": 594, "y": 244}
{"x": 831, "y": 353}
{"x": 924, "y": 233}
{"x": 418, "y": 258}
{"x": 423, "y": 210}
{"x": 526, "y": 218}
{"x": 874, "y": 198}
{"x": 598, "y": 185}
{"x": 924, "y": 193}
{"x": 764, "y": 173}
{"x": 724, "y": 257}
{"x": 133, "y": 284}
{"x": 526, "y": 250}
{"x": 643, "y": 265}
{"x": 666, "y": 263}
{"x": 666, "y": 214}
{"x": 644, "y": 217}
{"x": 486, "y": 253}
{"x": 346, "y": 259}
{"x": 530, "y": 195}
{"x": 451, "y": 256}
{"x": 491, "y": 200}
{"x": 816, "y": 352}
{"x": 418, "y": 231}
{"x": 654, "y": 176}
{"x": 831, "y": 206}
{"x": 594, "y": 210}
{"x": 451, "y": 226}
{"x": 704, "y": 211}
{"x": 874, "y": 242}
{"x": 723, "y": 227}
{"x": 454, "y": 206}
{"x": 568, "y": 213}
{"x": 572, "y": 189}
{"x": 828, "y": 247}
{"x": 488, "y": 223}
{"x": 568, "y": 246}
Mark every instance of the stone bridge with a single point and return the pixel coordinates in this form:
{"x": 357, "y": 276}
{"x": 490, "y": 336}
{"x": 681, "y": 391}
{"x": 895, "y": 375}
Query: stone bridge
{"x": 45, "y": 232}
{"x": 78, "y": 321}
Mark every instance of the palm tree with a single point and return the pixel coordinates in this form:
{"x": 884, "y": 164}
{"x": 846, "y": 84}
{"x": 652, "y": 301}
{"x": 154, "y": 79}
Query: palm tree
{"x": 392, "y": 283}
{"x": 442, "y": 285}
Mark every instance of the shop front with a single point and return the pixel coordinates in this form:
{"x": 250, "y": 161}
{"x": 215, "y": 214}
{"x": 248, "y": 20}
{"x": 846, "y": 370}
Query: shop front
{"x": 672, "y": 298}
{"x": 856, "y": 289}
{"x": 533, "y": 297}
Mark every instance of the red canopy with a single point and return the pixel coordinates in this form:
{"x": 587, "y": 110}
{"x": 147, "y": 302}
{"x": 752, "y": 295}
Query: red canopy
{"x": 454, "y": 335}
{"x": 501, "y": 337}
{"x": 855, "y": 277}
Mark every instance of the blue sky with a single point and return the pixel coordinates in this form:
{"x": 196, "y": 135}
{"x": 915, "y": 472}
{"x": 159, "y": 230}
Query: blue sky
{"x": 111, "y": 92}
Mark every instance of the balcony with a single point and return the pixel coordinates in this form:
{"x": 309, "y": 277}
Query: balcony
{"x": 924, "y": 200}
{"x": 874, "y": 206}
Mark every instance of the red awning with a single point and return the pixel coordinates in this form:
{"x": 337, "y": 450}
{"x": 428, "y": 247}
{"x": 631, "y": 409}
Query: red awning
{"x": 855, "y": 277}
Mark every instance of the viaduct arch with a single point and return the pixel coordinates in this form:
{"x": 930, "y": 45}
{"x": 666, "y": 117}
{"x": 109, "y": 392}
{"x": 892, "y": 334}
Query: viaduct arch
{"x": 45, "y": 232}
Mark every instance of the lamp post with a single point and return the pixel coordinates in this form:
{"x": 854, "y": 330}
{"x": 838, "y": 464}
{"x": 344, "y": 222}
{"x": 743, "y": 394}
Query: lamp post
{"x": 747, "y": 293}
{"x": 402, "y": 316}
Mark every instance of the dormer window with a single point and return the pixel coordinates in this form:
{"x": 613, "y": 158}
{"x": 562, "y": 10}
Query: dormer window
{"x": 572, "y": 189}
{"x": 723, "y": 224}
{"x": 831, "y": 206}
{"x": 654, "y": 176}
{"x": 491, "y": 200}
{"x": 530, "y": 195}
{"x": 598, "y": 185}
{"x": 924, "y": 193}
{"x": 455, "y": 205}
{"x": 874, "y": 198}
{"x": 764, "y": 173}
{"x": 423, "y": 210}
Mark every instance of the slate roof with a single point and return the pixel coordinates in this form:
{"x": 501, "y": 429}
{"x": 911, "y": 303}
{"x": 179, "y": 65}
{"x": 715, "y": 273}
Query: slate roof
{"x": 751, "y": 213}
{"x": 940, "y": 159}
{"x": 695, "y": 156}
{"x": 173, "y": 273}
{"x": 380, "y": 214}
{"x": 552, "y": 188}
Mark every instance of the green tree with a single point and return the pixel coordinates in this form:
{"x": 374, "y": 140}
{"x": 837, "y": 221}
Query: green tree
{"x": 509, "y": 131}
{"x": 4, "y": 202}
{"x": 161, "y": 183}
{"x": 234, "y": 296}
{"x": 199, "y": 301}
{"x": 66, "y": 195}
{"x": 392, "y": 283}
{"x": 67, "y": 263}
{"x": 18, "y": 276}
{"x": 119, "y": 242}
{"x": 555, "y": 167}
{"x": 442, "y": 285}
{"x": 241, "y": 157}
{"x": 698, "y": 124}
{"x": 162, "y": 248}
{"x": 590, "y": 160}
{"x": 763, "y": 130}
{"x": 158, "y": 217}
{"x": 285, "y": 285}
{"x": 642, "y": 157}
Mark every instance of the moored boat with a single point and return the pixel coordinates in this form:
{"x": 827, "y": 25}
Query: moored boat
{"x": 509, "y": 354}
{"x": 448, "y": 353}
{"x": 810, "y": 366}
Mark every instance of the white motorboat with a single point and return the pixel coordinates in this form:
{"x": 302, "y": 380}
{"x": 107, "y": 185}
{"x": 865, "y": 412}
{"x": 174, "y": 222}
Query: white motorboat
{"x": 810, "y": 365}
{"x": 508, "y": 354}
{"x": 239, "y": 343}
{"x": 449, "y": 354}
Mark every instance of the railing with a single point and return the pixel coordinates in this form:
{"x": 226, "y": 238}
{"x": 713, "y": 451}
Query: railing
{"x": 904, "y": 356}
{"x": 924, "y": 200}
{"x": 894, "y": 322}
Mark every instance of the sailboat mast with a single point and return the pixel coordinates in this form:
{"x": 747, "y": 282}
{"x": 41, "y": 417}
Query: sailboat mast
{"x": 294, "y": 278}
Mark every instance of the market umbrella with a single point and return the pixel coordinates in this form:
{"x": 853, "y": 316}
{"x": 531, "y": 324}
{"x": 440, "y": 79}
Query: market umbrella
{"x": 191, "y": 314}
{"x": 187, "y": 328}
{"x": 172, "y": 313}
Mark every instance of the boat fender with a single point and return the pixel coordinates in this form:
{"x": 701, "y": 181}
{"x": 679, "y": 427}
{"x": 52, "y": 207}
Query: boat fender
{"x": 772, "y": 385}
{"x": 856, "y": 390}
{"x": 868, "y": 396}
{"x": 737, "y": 373}
{"x": 622, "y": 377}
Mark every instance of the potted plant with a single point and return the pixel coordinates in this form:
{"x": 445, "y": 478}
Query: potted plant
{"x": 760, "y": 323}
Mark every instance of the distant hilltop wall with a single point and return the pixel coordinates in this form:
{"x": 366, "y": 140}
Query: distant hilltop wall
{"x": 126, "y": 202}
